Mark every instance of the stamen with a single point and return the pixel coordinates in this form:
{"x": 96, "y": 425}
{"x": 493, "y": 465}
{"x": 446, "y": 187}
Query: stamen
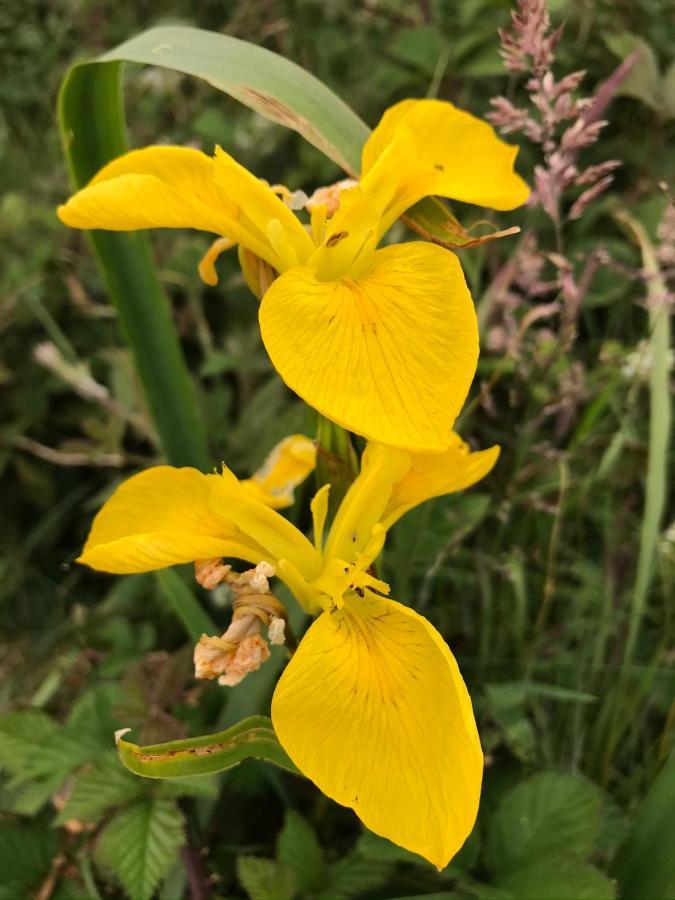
{"x": 206, "y": 267}
{"x": 209, "y": 573}
{"x": 329, "y": 196}
{"x": 294, "y": 200}
{"x": 242, "y": 648}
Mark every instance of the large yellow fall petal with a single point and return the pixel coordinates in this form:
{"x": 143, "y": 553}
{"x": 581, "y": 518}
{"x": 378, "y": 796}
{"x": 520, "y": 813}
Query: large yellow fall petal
{"x": 430, "y": 147}
{"x": 390, "y": 355}
{"x": 286, "y": 466}
{"x": 435, "y": 474}
{"x": 178, "y": 187}
{"x": 373, "y": 709}
{"x": 156, "y": 187}
{"x": 159, "y": 518}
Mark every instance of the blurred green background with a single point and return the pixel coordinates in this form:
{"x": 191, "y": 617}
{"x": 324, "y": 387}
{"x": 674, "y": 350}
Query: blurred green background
{"x": 530, "y": 576}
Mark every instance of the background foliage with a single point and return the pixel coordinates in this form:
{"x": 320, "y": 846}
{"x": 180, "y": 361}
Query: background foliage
{"x": 531, "y": 577}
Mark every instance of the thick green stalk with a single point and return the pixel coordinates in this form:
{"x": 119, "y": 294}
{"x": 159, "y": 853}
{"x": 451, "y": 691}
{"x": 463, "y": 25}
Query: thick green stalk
{"x": 91, "y": 116}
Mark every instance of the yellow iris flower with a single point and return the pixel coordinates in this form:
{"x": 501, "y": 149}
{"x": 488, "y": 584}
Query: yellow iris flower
{"x": 383, "y": 342}
{"x": 372, "y": 707}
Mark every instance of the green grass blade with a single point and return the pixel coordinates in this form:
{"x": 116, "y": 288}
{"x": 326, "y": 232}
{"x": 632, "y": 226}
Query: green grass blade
{"x": 264, "y": 81}
{"x": 91, "y": 116}
{"x": 183, "y": 602}
{"x": 252, "y": 738}
{"x": 644, "y": 866}
{"x": 656, "y": 488}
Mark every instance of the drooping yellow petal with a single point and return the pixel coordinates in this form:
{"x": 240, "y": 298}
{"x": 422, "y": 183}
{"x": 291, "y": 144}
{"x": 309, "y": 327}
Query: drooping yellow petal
{"x": 435, "y": 474}
{"x": 429, "y": 147}
{"x": 156, "y": 187}
{"x": 159, "y": 518}
{"x": 178, "y": 187}
{"x": 390, "y": 355}
{"x": 372, "y": 708}
{"x": 287, "y": 465}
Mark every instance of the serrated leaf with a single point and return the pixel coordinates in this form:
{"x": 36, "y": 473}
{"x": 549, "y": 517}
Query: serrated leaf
{"x": 372, "y": 846}
{"x": 265, "y": 879}
{"x": 252, "y": 738}
{"x": 567, "y": 880}
{"x": 139, "y": 845}
{"x": 299, "y": 850}
{"x": 107, "y": 784}
{"x": 26, "y": 854}
{"x": 547, "y": 816}
{"x": 354, "y": 875}
{"x": 28, "y": 797}
{"x": 197, "y": 786}
{"x": 61, "y": 752}
{"x": 19, "y": 734}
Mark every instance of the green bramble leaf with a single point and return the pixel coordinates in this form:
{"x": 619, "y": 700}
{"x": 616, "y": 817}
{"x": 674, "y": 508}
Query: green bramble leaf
{"x": 20, "y": 733}
{"x": 265, "y": 879}
{"x": 26, "y": 855}
{"x": 548, "y": 816}
{"x": 564, "y": 880}
{"x": 252, "y": 738}
{"x": 96, "y": 789}
{"x": 353, "y": 875}
{"x": 299, "y": 850}
{"x": 139, "y": 845}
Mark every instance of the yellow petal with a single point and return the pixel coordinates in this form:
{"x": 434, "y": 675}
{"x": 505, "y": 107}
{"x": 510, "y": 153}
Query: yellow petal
{"x": 258, "y": 208}
{"x": 390, "y": 355}
{"x": 364, "y": 503}
{"x": 286, "y": 466}
{"x": 372, "y": 708}
{"x": 156, "y": 187}
{"x": 234, "y": 502}
{"x": 178, "y": 187}
{"x": 159, "y": 518}
{"x": 435, "y": 474}
{"x": 430, "y": 147}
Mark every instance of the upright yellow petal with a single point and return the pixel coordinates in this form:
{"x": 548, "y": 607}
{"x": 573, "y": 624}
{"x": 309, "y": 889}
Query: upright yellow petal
{"x": 372, "y": 708}
{"x": 159, "y": 518}
{"x": 286, "y": 466}
{"x": 435, "y": 474}
{"x": 390, "y": 355}
{"x": 156, "y": 187}
{"x": 364, "y": 503}
{"x": 430, "y": 147}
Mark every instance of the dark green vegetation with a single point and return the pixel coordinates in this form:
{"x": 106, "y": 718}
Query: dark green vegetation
{"x": 565, "y": 639}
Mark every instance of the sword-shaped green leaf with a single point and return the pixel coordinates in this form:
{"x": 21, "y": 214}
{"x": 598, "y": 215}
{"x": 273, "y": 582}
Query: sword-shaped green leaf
{"x": 252, "y": 738}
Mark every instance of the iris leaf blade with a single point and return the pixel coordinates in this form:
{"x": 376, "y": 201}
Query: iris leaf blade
{"x": 252, "y": 738}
